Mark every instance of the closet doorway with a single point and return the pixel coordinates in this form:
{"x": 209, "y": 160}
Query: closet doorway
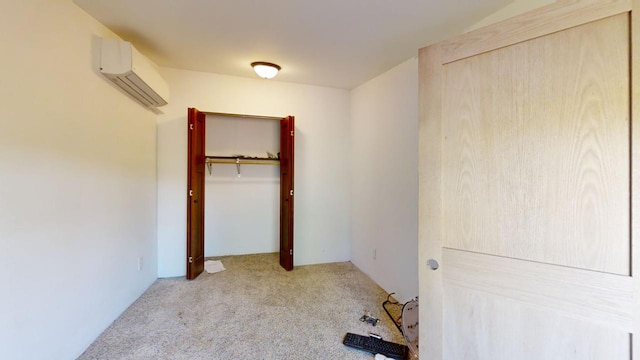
{"x": 198, "y": 163}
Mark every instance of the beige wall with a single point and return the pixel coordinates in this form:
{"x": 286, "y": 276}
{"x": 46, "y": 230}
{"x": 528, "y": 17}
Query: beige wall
{"x": 384, "y": 184}
{"x": 77, "y": 185}
{"x": 517, "y": 7}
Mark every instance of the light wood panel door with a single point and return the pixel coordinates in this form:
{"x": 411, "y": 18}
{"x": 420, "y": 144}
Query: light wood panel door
{"x": 526, "y": 178}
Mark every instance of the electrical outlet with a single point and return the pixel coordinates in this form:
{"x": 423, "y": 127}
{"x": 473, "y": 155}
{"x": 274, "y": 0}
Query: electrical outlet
{"x": 140, "y": 263}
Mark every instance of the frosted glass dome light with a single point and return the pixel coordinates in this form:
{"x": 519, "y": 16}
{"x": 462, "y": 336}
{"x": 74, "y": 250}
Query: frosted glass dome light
{"x": 265, "y": 70}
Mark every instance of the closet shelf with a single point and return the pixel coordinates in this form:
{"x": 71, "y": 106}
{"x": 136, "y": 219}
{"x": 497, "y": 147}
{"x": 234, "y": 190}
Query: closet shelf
{"x": 241, "y": 160}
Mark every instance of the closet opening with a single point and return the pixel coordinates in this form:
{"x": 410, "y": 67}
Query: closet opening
{"x": 244, "y": 166}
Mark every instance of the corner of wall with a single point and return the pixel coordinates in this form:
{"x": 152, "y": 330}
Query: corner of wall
{"x": 517, "y": 7}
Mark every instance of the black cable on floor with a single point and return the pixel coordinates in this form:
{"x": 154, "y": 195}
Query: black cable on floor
{"x": 398, "y": 322}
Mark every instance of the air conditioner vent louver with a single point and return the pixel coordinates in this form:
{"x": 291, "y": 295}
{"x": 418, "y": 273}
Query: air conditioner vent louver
{"x": 132, "y": 72}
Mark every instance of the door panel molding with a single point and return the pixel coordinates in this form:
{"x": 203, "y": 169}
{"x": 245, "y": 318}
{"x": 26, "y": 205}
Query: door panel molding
{"x": 581, "y": 294}
{"x": 544, "y": 175}
{"x": 497, "y": 328}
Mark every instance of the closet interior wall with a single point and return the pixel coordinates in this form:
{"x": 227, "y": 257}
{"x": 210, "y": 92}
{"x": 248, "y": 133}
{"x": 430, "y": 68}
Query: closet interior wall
{"x": 241, "y": 203}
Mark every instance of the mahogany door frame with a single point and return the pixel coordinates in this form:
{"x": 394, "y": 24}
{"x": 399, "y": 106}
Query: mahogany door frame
{"x": 195, "y": 265}
{"x": 287, "y": 137}
{"x": 196, "y": 122}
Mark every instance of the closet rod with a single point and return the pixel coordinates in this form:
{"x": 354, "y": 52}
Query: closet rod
{"x": 240, "y": 160}
{"x": 243, "y": 116}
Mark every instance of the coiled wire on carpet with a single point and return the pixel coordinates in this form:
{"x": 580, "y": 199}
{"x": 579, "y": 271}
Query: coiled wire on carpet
{"x": 397, "y": 322}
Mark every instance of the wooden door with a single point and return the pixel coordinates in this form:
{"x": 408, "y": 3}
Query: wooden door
{"x": 195, "y": 193}
{"x": 526, "y": 177}
{"x": 287, "y": 136}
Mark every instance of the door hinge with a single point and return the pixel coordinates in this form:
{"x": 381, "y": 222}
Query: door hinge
{"x": 291, "y": 132}
{"x": 190, "y": 259}
{"x": 190, "y": 126}
{"x": 190, "y": 192}
{"x": 291, "y": 192}
{"x": 290, "y": 251}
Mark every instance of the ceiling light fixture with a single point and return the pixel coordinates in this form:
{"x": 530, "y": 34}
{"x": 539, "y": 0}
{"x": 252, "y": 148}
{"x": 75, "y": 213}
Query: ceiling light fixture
{"x": 265, "y": 70}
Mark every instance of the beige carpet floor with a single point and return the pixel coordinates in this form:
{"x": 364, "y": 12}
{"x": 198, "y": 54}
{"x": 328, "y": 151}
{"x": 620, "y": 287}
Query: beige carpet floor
{"x": 252, "y": 310}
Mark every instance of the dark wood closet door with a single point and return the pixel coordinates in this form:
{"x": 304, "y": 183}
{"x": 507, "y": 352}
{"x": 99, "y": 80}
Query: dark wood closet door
{"x": 195, "y": 193}
{"x": 287, "y": 136}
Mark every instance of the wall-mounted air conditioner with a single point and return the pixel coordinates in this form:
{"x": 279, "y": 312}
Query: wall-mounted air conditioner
{"x": 134, "y": 73}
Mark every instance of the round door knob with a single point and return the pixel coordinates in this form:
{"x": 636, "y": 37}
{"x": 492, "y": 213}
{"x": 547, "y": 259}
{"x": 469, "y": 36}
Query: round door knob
{"x": 433, "y": 265}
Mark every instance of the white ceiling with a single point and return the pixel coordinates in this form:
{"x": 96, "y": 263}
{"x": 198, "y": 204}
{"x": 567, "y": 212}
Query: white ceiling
{"x": 335, "y": 43}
